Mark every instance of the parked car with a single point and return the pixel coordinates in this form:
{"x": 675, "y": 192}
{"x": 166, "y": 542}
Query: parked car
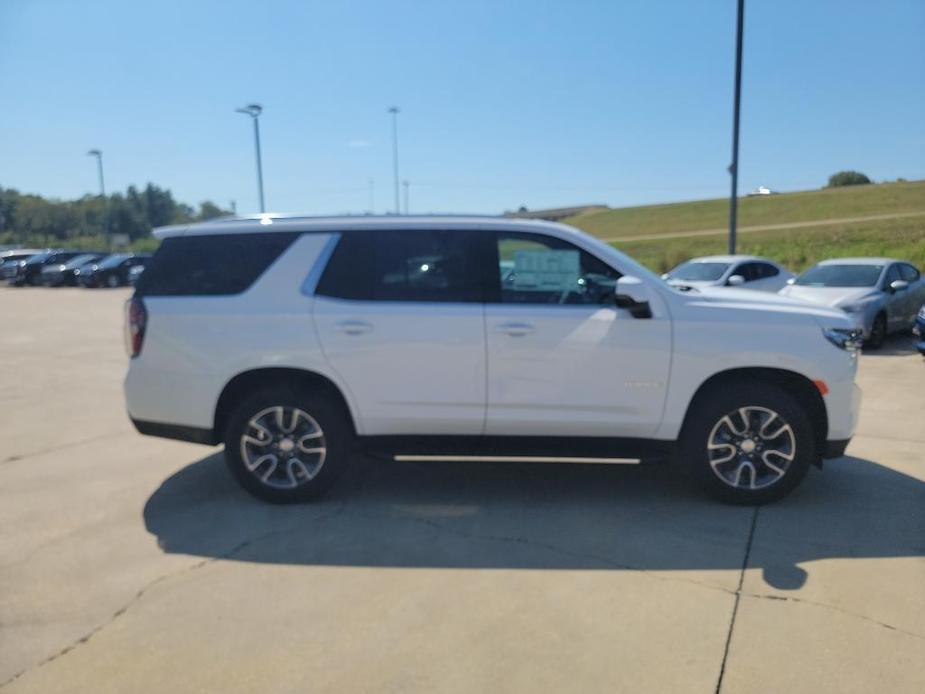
{"x": 745, "y": 271}
{"x": 30, "y": 271}
{"x": 296, "y": 341}
{"x": 10, "y": 260}
{"x": 134, "y": 274}
{"x": 880, "y": 294}
{"x": 113, "y": 271}
{"x": 56, "y": 275}
{"x": 919, "y": 330}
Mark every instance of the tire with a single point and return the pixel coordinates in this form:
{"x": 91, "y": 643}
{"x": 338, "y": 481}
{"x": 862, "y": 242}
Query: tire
{"x": 285, "y": 476}
{"x": 757, "y": 470}
{"x": 877, "y": 333}
{"x": 35, "y": 281}
{"x": 112, "y": 282}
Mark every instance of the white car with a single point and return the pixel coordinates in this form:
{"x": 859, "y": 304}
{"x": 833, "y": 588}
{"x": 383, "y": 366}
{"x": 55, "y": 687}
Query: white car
{"x": 745, "y": 271}
{"x": 882, "y": 295}
{"x": 297, "y": 341}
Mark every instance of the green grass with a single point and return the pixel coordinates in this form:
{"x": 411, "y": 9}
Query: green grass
{"x": 795, "y": 248}
{"x": 830, "y": 203}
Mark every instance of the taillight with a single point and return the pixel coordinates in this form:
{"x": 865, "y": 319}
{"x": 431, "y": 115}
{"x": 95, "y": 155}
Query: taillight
{"x": 136, "y": 319}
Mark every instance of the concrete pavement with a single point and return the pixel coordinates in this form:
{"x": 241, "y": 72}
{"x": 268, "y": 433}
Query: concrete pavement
{"x": 135, "y": 564}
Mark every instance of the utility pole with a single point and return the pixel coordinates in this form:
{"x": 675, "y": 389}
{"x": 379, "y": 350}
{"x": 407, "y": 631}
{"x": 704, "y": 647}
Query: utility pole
{"x": 394, "y": 112}
{"x": 254, "y": 111}
{"x": 406, "y": 185}
{"x": 99, "y": 169}
{"x": 734, "y": 167}
{"x": 372, "y": 196}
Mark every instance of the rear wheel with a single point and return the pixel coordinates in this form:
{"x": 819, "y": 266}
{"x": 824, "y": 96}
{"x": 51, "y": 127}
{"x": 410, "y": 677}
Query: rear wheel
{"x": 112, "y": 281}
{"x": 286, "y": 446}
{"x": 748, "y": 443}
{"x": 877, "y": 333}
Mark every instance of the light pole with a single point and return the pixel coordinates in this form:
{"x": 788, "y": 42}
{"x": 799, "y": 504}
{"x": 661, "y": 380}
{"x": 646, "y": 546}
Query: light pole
{"x": 372, "y": 196}
{"x": 406, "y": 184}
{"x": 394, "y": 112}
{"x": 734, "y": 167}
{"x": 99, "y": 169}
{"x": 254, "y": 111}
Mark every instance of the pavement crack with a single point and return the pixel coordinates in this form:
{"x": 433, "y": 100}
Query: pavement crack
{"x": 244, "y": 544}
{"x": 738, "y": 597}
{"x": 52, "y": 449}
{"x": 834, "y": 608}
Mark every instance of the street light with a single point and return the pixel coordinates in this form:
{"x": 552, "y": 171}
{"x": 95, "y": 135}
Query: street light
{"x": 254, "y": 111}
{"x": 406, "y": 185}
{"x": 734, "y": 167}
{"x": 99, "y": 169}
{"x": 394, "y": 112}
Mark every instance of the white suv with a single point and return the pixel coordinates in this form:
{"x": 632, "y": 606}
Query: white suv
{"x": 297, "y": 341}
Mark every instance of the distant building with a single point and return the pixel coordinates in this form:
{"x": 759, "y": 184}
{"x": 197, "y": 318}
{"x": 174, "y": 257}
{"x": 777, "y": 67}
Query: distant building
{"x": 555, "y": 214}
{"x": 762, "y": 190}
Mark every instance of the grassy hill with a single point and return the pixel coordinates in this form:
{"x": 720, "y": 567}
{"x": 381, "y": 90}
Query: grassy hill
{"x": 797, "y": 248}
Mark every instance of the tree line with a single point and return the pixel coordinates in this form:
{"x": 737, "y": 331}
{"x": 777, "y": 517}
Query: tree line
{"x": 35, "y": 220}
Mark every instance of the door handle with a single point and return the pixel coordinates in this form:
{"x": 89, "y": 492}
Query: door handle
{"x": 353, "y": 327}
{"x": 516, "y": 329}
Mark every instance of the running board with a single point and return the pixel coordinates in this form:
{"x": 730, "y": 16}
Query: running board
{"x": 512, "y": 459}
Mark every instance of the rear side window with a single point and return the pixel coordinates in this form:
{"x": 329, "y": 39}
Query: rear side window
{"x": 419, "y": 265}
{"x": 211, "y": 265}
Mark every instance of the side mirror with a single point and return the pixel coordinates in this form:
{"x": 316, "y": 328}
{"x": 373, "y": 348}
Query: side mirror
{"x": 792, "y": 280}
{"x": 633, "y": 295}
{"x": 735, "y": 281}
{"x": 898, "y": 285}
{"x": 666, "y": 276}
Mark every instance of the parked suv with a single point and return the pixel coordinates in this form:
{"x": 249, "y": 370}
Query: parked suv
{"x": 295, "y": 341}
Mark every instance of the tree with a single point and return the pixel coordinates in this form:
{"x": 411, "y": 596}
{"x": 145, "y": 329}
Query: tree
{"x": 847, "y": 178}
{"x": 209, "y": 210}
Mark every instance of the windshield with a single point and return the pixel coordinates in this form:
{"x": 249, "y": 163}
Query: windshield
{"x": 840, "y": 276}
{"x": 698, "y": 272}
{"x": 79, "y": 260}
{"x": 112, "y": 261}
{"x": 39, "y": 258}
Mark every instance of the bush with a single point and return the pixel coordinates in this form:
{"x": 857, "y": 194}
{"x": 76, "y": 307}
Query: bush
{"x": 847, "y": 178}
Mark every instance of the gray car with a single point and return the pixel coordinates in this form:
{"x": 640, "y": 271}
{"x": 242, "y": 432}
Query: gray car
{"x": 882, "y": 295}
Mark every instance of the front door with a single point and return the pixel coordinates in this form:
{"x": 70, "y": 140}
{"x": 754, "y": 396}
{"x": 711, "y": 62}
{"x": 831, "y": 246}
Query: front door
{"x": 562, "y": 359}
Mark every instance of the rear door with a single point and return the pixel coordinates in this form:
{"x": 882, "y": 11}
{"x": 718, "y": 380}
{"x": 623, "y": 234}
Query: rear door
{"x": 400, "y": 318}
{"x": 562, "y": 359}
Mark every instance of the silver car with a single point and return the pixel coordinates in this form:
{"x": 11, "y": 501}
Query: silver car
{"x": 743, "y": 271}
{"x": 882, "y": 295}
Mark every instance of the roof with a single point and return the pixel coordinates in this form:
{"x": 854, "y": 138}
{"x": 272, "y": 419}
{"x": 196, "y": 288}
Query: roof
{"x": 725, "y": 258}
{"x": 859, "y": 261}
{"x": 279, "y": 222}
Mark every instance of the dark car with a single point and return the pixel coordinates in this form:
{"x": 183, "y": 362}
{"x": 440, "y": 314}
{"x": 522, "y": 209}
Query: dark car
{"x": 30, "y": 271}
{"x": 919, "y": 329}
{"x": 113, "y": 271}
{"x": 65, "y": 274}
{"x": 10, "y": 260}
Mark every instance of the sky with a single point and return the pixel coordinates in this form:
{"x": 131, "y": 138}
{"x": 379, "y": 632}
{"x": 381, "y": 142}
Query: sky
{"x": 502, "y": 103}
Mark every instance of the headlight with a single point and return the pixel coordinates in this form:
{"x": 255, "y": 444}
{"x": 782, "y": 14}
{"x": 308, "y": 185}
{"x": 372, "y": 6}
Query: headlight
{"x": 922, "y": 313}
{"x": 855, "y": 308}
{"x": 844, "y": 338}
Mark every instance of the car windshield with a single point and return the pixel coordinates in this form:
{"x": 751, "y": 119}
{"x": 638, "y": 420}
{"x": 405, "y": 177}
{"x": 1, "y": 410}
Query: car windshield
{"x": 79, "y": 260}
{"x": 38, "y": 258}
{"x": 698, "y": 272}
{"x": 840, "y": 276}
{"x": 112, "y": 261}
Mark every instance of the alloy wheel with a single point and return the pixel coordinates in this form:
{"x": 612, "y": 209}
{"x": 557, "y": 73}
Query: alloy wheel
{"x": 283, "y": 447}
{"x": 751, "y": 448}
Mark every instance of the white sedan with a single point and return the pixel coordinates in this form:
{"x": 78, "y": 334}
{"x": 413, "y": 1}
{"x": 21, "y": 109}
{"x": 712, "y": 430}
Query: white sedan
{"x": 744, "y": 271}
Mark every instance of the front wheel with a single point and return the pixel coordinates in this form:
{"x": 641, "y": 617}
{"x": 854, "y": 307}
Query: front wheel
{"x": 286, "y": 446}
{"x": 112, "y": 281}
{"x": 748, "y": 443}
{"x": 877, "y": 333}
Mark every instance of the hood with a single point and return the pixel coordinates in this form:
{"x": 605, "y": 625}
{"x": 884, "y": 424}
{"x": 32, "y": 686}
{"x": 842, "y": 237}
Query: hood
{"x": 692, "y": 283}
{"x": 748, "y": 299}
{"x": 828, "y": 296}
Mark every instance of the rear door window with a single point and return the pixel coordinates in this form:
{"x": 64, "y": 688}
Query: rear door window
{"x": 416, "y": 265}
{"x": 211, "y": 264}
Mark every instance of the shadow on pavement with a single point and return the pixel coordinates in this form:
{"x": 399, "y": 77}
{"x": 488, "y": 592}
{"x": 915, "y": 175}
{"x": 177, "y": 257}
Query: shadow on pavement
{"x": 895, "y": 345}
{"x": 517, "y": 516}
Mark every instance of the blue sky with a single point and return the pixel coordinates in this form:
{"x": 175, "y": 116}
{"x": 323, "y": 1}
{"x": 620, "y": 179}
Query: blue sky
{"x": 503, "y": 103}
